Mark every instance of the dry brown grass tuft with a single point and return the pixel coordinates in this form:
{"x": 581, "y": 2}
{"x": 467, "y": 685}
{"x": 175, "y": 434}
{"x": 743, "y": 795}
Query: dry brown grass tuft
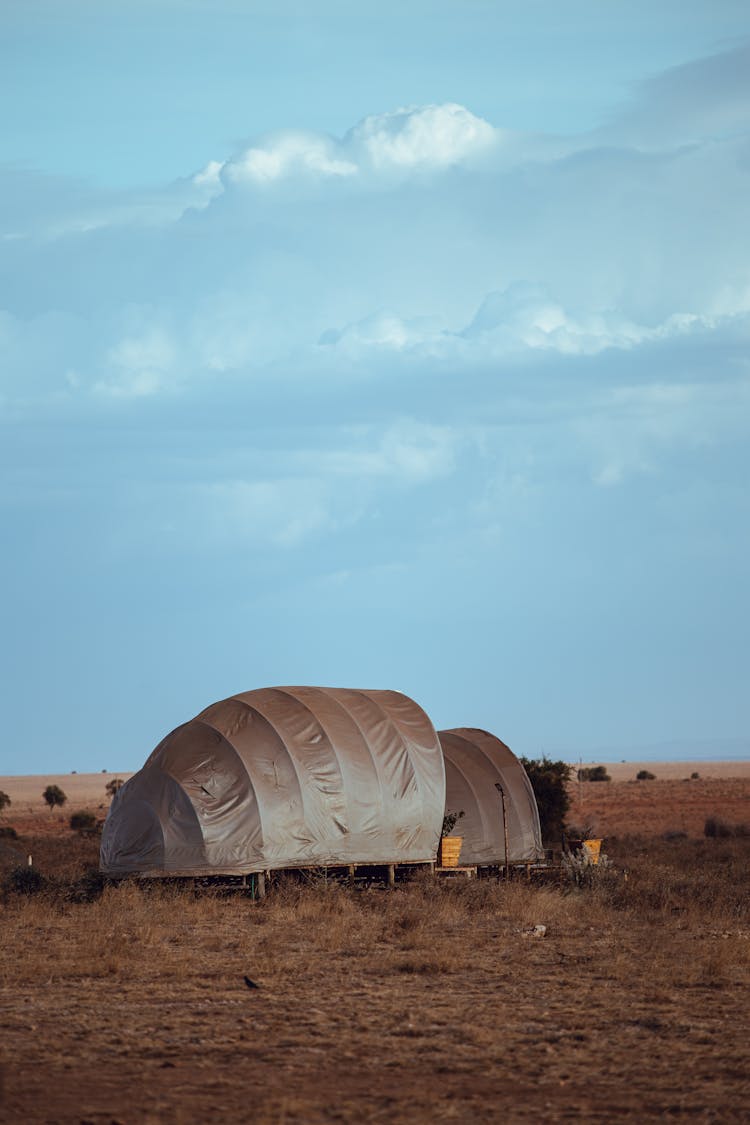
{"x": 434, "y": 1001}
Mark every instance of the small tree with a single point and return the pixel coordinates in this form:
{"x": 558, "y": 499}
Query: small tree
{"x": 112, "y": 786}
{"x": 549, "y": 781}
{"x": 54, "y": 795}
{"x": 4, "y": 800}
{"x": 645, "y": 775}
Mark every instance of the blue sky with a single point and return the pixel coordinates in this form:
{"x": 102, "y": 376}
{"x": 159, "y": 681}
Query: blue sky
{"x": 375, "y": 345}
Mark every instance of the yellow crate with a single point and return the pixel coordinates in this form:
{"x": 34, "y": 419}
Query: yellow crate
{"x": 593, "y": 848}
{"x": 449, "y": 851}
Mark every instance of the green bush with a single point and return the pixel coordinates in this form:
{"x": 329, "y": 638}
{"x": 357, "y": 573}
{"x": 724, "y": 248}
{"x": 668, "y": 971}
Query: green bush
{"x": 8, "y": 833}
{"x": 645, "y": 775}
{"x": 593, "y": 773}
{"x": 549, "y": 781}
{"x": 83, "y": 821}
{"x": 4, "y": 800}
{"x": 112, "y": 786}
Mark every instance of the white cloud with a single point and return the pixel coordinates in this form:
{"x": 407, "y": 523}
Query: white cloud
{"x": 383, "y": 330}
{"x": 404, "y": 140}
{"x": 523, "y": 318}
{"x": 431, "y": 136}
{"x": 370, "y": 262}
{"x": 210, "y": 176}
{"x": 287, "y": 154}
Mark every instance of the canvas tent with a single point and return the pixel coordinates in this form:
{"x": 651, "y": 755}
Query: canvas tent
{"x": 279, "y": 778}
{"x": 476, "y": 762}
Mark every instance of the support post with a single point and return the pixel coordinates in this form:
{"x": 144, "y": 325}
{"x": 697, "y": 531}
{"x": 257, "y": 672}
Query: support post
{"x": 391, "y": 875}
{"x": 261, "y": 884}
{"x": 501, "y": 791}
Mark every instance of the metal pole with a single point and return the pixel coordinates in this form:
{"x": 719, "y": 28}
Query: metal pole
{"x": 501, "y": 791}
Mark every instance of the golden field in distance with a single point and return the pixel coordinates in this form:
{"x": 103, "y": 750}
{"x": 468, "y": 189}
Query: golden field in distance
{"x": 672, "y": 802}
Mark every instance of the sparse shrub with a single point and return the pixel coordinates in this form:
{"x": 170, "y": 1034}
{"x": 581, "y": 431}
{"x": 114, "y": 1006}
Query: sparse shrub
{"x": 82, "y": 821}
{"x": 645, "y": 775}
{"x": 54, "y": 795}
{"x": 449, "y": 822}
{"x": 717, "y": 828}
{"x": 89, "y": 887}
{"x": 428, "y": 965}
{"x": 580, "y": 868}
{"x": 549, "y": 780}
{"x": 4, "y": 800}
{"x": 593, "y": 773}
{"x": 8, "y": 833}
{"x": 24, "y": 881}
{"x": 694, "y": 776}
{"x": 112, "y": 786}
{"x": 588, "y": 830}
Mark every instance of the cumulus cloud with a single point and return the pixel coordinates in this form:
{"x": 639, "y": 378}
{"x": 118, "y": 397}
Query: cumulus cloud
{"x": 288, "y": 154}
{"x": 432, "y": 136}
{"x": 374, "y": 261}
{"x": 522, "y": 319}
{"x": 405, "y": 140}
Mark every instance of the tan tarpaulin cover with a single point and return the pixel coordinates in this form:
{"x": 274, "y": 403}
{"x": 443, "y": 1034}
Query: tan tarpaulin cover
{"x": 283, "y": 777}
{"x": 475, "y": 763}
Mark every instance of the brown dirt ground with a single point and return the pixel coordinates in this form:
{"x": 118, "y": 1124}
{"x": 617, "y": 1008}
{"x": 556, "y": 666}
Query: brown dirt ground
{"x": 432, "y": 1002}
{"x": 651, "y": 808}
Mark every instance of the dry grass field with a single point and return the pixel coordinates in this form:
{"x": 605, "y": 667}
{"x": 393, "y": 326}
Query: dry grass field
{"x": 431, "y": 1002}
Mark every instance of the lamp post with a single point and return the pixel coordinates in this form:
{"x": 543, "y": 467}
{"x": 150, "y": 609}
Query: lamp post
{"x": 501, "y": 791}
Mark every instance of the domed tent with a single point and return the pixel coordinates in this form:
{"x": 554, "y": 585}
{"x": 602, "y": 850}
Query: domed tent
{"x": 281, "y": 778}
{"x": 476, "y": 763}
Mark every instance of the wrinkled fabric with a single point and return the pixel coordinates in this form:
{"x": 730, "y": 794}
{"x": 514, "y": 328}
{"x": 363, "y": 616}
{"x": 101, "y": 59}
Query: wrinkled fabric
{"x": 475, "y": 763}
{"x": 283, "y": 777}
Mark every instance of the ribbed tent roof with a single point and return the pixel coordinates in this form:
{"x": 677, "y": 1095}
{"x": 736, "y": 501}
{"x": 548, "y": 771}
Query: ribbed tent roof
{"x": 283, "y": 777}
{"x": 475, "y": 763}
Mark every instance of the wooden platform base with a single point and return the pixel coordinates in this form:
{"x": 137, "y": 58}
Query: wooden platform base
{"x": 456, "y": 872}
